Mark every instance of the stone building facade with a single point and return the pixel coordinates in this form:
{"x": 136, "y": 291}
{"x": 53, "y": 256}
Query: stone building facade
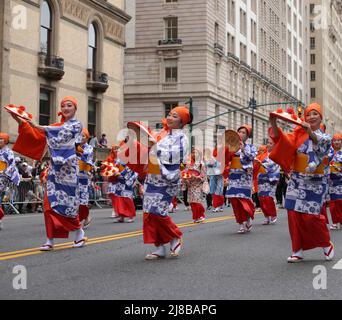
{"x": 53, "y": 48}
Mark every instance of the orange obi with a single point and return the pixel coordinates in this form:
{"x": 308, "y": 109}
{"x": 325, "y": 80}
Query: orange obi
{"x": 153, "y": 166}
{"x": 262, "y": 170}
{"x": 335, "y": 168}
{"x": 3, "y": 165}
{"x": 84, "y": 166}
{"x": 236, "y": 163}
{"x": 301, "y": 164}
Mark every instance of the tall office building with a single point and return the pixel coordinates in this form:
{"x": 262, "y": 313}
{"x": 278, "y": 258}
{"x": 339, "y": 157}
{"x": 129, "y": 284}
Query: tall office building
{"x": 219, "y": 53}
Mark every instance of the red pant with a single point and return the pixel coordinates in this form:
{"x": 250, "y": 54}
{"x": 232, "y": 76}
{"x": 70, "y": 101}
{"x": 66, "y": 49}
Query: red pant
{"x": 197, "y": 210}
{"x": 267, "y": 206}
{"x": 243, "y": 209}
{"x": 83, "y": 212}
{"x": 324, "y": 212}
{"x": 123, "y": 206}
{"x": 218, "y": 201}
{"x": 307, "y": 231}
{"x": 336, "y": 211}
{"x": 56, "y": 225}
{"x": 1, "y": 213}
{"x": 159, "y": 230}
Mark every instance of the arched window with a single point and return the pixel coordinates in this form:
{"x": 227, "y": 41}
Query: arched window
{"x": 92, "y": 47}
{"x": 45, "y": 28}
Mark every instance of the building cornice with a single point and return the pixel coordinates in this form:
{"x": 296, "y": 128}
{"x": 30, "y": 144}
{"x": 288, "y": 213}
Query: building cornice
{"x": 34, "y": 3}
{"x": 109, "y": 9}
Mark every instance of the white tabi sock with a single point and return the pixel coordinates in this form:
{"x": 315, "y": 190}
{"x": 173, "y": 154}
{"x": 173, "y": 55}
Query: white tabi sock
{"x": 79, "y": 234}
{"x": 160, "y": 251}
{"x": 298, "y": 253}
{"x": 49, "y": 241}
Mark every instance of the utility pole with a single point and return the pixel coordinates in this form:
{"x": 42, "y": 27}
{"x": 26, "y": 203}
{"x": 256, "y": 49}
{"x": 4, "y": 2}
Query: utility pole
{"x": 252, "y": 104}
{"x": 190, "y": 103}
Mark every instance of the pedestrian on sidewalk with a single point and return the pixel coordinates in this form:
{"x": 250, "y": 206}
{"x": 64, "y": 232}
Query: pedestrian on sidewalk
{"x": 61, "y": 201}
{"x": 305, "y": 151}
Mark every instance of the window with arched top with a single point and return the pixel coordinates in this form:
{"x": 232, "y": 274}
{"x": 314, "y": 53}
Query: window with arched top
{"x": 92, "y": 47}
{"x": 45, "y": 28}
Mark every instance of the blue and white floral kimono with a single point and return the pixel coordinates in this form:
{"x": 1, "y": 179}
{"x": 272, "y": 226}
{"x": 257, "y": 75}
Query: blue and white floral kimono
{"x": 161, "y": 188}
{"x": 306, "y": 191}
{"x": 124, "y": 185}
{"x": 10, "y": 173}
{"x": 240, "y": 181}
{"x": 63, "y": 185}
{"x": 267, "y": 182}
{"x": 335, "y": 181}
{"x": 84, "y": 178}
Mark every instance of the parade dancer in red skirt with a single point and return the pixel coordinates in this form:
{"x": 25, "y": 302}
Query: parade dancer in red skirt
{"x": 305, "y": 152}
{"x": 8, "y": 170}
{"x": 61, "y": 201}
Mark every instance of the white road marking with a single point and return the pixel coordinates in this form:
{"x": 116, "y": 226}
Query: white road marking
{"x": 338, "y": 265}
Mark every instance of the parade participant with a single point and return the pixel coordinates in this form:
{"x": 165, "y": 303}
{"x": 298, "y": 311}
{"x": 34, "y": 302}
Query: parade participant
{"x": 268, "y": 176}
{"x": 335, "y": 189}
{"x": 305, "y": 151}
{"x": 256, "y": 166}
{"x": 162, "y": 182}
{"x": 240, "y": 182}
{"x": 8, "y": 170}
{"x": 194, "y": 184}
{"x": 216, "y": 181}
{"x": 85, "y": 155}
{"x": 112, "y": 157}
{"x": 121, "y": 193}
{"x": 61, "y": 201}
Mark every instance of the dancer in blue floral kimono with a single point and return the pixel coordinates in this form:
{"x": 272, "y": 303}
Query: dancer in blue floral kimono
{"x": 86, "y": 162}
{"x": 121, "y": 191}
{"x": 162, "y": 182}
{"x": 8, "y": 171}
{"x": 305, "y": 152}
{"x": 240, "y": 181}
{"x": 335, "y": 185}
{"x": 62, "y": 198}
{"x": 268, "y": 178}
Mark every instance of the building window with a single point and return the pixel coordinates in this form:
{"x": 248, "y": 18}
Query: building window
{"x": 92, "y": 47}
{"x": 313, "y": 92}
{"x": 171, "y": 28}
{"x": 312, "y": 8}
{"x": 312, "y": 58}
{"x": 46, "y": 28}
{"x": 168, "y": 106}
{"x": 169, "y": 1}
{"x": 231, "y": 12}
{"x": 312, "y": 43}
{"x": 171, "y": 70}
{"x": 45, "y": 107}
{"x": 243, "y": 22}
{"x": 231, "y": 43}
{"x": 92, "y": 116}
{"x": 313, "y": 75}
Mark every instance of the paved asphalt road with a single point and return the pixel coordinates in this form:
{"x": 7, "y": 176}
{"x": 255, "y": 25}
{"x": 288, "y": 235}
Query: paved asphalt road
{"x": 216, "y": 263}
